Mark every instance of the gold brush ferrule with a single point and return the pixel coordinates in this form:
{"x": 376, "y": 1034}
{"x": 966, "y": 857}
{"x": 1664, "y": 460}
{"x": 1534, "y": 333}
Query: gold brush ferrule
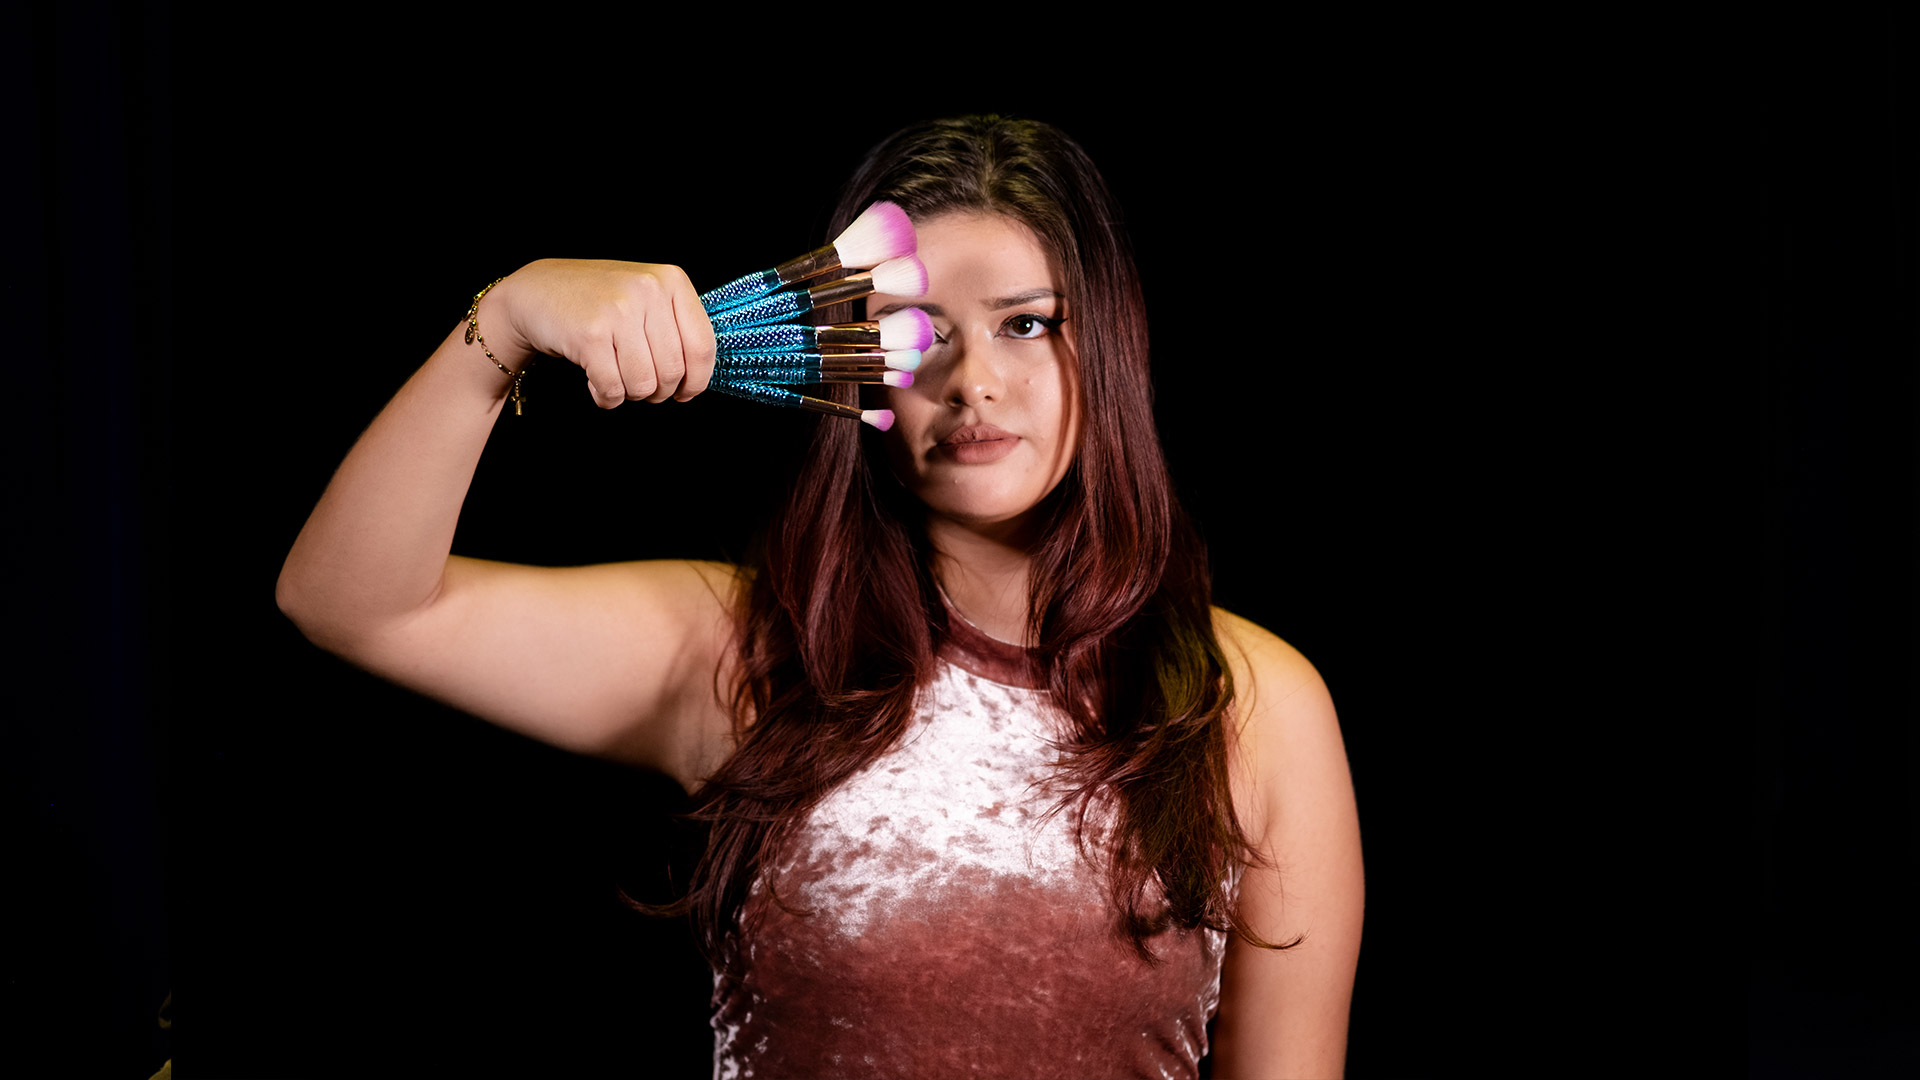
{"x": 870, "y": 376}
{"x": 839, "y": 292}
{"x": 865, "y": 334}
{"x": 811, "y": 265}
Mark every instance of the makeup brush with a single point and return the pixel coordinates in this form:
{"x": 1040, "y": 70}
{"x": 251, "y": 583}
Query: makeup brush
{"x": 896, "y": 359}
{"x": 881, "y": 232}
{"x": 907, "y": 329}
{"x": 801, "y": 374}
{"x": 789, "y": 399}
{"x": 904, "y": 276}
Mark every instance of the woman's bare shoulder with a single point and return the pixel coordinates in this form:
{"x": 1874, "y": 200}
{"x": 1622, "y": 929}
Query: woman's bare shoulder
{"x": 1267, "y": 671}
{"x": 1286, "y": 733}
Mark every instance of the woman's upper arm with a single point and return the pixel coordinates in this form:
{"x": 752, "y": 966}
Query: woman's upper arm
{"x": 621, "y": 660}
{"x": 1283, "y": 1013}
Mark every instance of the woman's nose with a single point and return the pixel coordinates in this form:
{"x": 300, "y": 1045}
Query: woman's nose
{"x": 974, "y": 377}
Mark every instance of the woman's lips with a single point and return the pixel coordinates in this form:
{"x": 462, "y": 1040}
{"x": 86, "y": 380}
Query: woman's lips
{"x": 977, "y": 444}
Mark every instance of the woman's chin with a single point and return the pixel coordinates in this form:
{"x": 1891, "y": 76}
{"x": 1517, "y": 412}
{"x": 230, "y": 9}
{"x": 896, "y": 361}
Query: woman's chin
{"x": 979, "y": 515}
{"x": 986, "y": 512}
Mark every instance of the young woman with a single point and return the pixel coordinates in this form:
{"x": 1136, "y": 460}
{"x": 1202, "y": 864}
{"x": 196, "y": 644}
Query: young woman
{"x": 992, "y": 789}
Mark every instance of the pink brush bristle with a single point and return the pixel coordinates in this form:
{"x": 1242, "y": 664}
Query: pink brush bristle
{"x": 904, "y": 276}
{"x": 881, "y": 232}
{"x": 908, "y": 329}
{"x": 901, "y": 379}
{"x": 880, "y": 418}
{"x": 903, "y": 359}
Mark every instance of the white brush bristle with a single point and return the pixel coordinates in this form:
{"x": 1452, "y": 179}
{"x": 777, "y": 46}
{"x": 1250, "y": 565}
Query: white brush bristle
{"x": 904, "y": 276}
{"x": 897, "y": 378}
{"x": 881, "y": 232}
{"x": 903, "y": 359}
{"x": 880, "y": 418}
{"x": 907, "y": 329}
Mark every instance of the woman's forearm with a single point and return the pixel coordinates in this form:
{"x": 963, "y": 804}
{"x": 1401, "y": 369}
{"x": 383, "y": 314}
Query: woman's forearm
{"x": 376, "y": 545}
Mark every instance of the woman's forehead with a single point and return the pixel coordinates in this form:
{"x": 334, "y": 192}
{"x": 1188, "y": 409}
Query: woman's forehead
{"x": 985, "y": 259}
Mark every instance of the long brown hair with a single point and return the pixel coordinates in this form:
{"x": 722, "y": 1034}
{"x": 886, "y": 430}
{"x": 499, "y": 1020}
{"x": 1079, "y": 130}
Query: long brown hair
{"x": 834, "y": 648}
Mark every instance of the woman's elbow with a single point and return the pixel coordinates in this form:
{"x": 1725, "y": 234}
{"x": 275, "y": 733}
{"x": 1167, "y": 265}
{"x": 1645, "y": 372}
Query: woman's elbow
{"x": 305, "y": 603}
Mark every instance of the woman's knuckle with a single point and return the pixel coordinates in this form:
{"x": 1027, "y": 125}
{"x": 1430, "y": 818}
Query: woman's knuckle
{"x": 648, "y": 286}
{"x": 703, "y": 348}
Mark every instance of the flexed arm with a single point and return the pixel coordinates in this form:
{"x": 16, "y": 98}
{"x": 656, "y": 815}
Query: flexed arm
{"x": 616, "y": 660}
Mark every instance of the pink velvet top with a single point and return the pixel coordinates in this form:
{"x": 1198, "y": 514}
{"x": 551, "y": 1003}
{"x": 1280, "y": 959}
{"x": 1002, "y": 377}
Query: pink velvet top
{"x": 954, "y": 927}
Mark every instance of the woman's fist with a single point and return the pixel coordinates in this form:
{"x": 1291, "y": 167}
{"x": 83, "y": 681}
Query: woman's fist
{"x": 637, "y": 329}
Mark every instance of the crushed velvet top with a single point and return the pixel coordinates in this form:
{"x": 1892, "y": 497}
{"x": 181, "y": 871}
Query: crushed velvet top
{"x": 954, "y": 928}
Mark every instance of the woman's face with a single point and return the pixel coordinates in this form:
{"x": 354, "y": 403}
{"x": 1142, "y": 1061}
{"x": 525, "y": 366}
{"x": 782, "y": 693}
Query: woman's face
{"x": 992, "y": 420}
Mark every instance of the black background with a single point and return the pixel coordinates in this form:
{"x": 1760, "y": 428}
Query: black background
{"x": 1557, "y": 402}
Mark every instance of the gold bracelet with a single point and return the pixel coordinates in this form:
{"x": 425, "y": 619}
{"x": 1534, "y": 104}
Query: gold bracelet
{"x": 473, "y": 332}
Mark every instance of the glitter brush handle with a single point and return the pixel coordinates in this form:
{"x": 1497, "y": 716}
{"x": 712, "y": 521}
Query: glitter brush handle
{"x": 779, "y": 307}
{"x": 740, "y": 291}
{"x": 793, "y": 303}
{"x": 790, "y": 399}
{"x": 904, "y": 276}
{"x": 799, "y": 374}
{"x": 904, "y": 360}
{"x": 768, "y": 339}
{"x": 745, "y": 290}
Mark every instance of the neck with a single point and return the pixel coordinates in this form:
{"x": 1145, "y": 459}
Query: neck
{"x": 984, "y": 574}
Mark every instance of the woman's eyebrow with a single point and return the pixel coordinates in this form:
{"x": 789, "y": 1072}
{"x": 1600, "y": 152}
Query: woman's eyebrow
{"x": 933, "y": 310}
{"x": 936, "y": 311}
{"x": 1019, "y": 298}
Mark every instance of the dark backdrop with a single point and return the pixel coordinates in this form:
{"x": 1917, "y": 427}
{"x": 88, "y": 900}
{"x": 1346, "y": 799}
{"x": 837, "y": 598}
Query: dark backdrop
{"x": 1565, "y": 425}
